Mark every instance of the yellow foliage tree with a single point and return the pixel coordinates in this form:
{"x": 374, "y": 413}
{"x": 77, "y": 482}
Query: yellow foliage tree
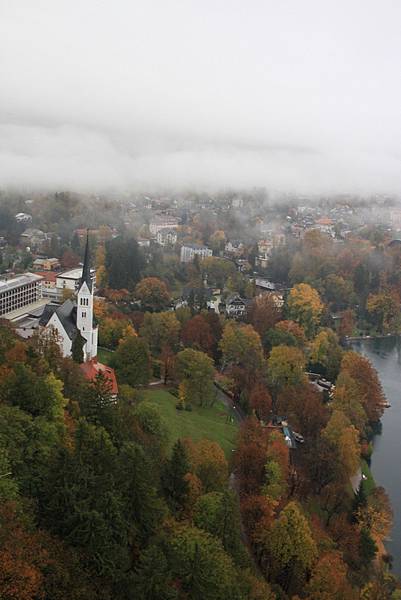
{"x": 305, "y": 307}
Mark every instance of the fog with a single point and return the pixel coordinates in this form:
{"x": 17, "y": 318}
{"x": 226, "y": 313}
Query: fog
{"x": 295, "y": 96}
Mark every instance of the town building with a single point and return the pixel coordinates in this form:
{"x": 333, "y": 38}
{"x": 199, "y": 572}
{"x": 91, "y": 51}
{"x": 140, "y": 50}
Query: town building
{"x": 162, "y": 222}
{"x": 70, "y": 279}
{"x": 235, "y": 247}
{"x": 23, "y": 217}
{"x": 236, "y": 307}
{"x": 189, "y": 252}
{"x": 46, "y": 264}
{"x": 35, "y": 239}
{"x": 20, "y": 292}
{"x": 166, "y": 237}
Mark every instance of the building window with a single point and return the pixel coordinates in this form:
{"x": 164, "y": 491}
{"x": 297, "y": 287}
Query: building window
{"x": 83, "y": 314}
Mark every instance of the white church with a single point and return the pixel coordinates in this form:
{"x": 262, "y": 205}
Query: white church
{"x": 75, "y": 317}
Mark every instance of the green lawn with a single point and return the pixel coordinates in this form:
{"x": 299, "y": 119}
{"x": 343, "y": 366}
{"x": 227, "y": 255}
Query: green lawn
{"x": 104, "y": 355}
{"x": 211, "y": 423}
{"x": 369, "y": 483}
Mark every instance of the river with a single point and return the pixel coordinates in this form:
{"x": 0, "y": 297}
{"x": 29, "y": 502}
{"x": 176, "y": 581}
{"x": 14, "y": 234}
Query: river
{"x": 385, "y": 355}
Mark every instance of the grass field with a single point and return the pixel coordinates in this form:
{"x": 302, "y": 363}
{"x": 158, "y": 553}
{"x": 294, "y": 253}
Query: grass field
{"x": 369, "y": 483}
{"x": 212, "y": 423}
{"x": 103, "y": 355}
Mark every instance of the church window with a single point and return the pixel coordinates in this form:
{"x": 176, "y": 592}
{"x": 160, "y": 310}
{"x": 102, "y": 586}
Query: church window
{"x": 84, "y": 314}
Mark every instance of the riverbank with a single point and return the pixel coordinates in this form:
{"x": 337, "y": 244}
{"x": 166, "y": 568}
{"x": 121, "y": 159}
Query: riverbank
{"x": 385, "y": 355}
{"x": 358, "y": 338}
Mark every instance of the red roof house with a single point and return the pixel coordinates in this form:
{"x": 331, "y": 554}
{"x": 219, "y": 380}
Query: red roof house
{"x": 92, "y": 367}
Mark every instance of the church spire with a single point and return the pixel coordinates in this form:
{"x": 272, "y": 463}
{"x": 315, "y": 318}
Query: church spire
{"x": 86, "y": 271}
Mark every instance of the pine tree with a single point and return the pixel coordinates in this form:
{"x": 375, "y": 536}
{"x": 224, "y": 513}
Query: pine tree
{"x": 174, "y": 482}
{"x": 77, "y": 352}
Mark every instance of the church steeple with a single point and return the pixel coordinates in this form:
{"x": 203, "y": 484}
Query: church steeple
{"x": 85, "y": 323}
{"x": 86, "y": 270}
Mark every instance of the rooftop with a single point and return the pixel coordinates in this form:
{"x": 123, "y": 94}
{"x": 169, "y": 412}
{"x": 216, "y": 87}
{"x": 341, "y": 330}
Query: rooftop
{"x": 16, "y": 282}
{"x": 92, "y": 368}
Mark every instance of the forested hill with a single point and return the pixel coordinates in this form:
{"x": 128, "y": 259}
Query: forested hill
{"x": 92, "y": 503}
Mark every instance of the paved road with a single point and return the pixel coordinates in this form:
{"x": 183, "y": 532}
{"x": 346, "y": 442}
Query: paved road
{"x": 234, "y": 409}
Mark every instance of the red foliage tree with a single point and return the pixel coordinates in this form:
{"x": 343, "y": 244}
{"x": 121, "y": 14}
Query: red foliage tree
{"x": 258, "y": 513}
{"x": 260, "y": 401}
{"x": 251, "y": 456}
{"x": 197, "y": 334}
{"x": 304, "y": 408}
{"x": 22, "y": 558}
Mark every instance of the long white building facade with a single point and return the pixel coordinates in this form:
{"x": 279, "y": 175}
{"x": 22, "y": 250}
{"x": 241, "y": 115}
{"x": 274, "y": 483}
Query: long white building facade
{"x": 20, "y": 292}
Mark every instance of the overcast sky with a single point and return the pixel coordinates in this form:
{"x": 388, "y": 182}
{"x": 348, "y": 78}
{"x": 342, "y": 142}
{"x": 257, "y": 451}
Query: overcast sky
{"x": 290, "y": 94}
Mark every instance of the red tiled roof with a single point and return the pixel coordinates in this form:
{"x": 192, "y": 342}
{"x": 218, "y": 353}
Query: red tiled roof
{"x": 324, "y": 221}
{"x": 48, "y": 275}
{"x": 91, "y": 368}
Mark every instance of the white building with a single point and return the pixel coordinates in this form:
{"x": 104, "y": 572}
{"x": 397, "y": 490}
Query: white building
{"x": 236, "y": 307}
{"x": 20, "y": 292}
{"x": 70, "y": 279}
{"x": 166, "y": 237}
{"x": 23, "y": 217}
{"x": 189, "y": 252}
{"x": 163, "y": 222}
{"x": 74, "y": 318}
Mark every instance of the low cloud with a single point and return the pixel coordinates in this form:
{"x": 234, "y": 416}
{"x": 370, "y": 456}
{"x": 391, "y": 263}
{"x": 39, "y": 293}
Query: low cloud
{"x": 137, "y": 95}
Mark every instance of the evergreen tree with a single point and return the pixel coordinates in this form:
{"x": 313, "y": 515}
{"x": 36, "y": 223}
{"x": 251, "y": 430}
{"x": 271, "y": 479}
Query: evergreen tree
{"x": 173, "y": 478}
{"x": 153, "y": 578}
{"x": 77, "y": 352}
{"x": 123, "y": 262}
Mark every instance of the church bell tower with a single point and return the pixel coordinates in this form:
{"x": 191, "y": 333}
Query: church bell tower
{"x": 85, "y": 323}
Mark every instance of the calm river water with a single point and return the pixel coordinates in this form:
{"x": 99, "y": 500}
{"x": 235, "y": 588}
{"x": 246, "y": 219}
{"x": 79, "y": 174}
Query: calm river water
{"x": 385, "y": 355}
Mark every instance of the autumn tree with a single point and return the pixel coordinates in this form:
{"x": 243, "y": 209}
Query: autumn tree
{"x": 159, "y": 330}
{"x": 208, "y": 463}
{"x": 366, "y": 379}
{"x": 338, "y": 291}
{"x": 132, "y": 360}
{"x": 264, "y": 314}
{"x": 197, "y": 334}
{"x": 276, "y": 467}
{"x": 291, "y": 548}
{"x": 23, "y": 559}
{"x": 243, "y": 355}
{"x": 376, "y": 515}
{"x": 241, "y": 346}
{"x": 345, "y": 439}
{"x": 153, "y": 294}
{"x": 305, "y": 307}
{"x": 196, "y": 371}
{"x": 217, "y": 270}
{"x": 349, "y": 399}
{"x": 325, "y": 354}
{"x": 303, "y": 406}
{"x": 260, "y": 401}
{"x": 347, "y": 324}
{"x": 286, "y": 367}
{"x": 383, "y": 309}
{"x": 329, "y": 579}
{"x": 250, "y": 456}
{"x": 111, "y": 331}
{"x": 258, "y": 514}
